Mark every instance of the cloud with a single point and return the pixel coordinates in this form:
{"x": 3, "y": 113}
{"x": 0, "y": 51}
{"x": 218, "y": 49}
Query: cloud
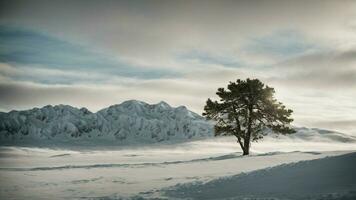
{"x": 24, "y": 48}
{"x": 196, "y": 56}
{"x": 264, "y": 51}
{"x": 330, "y": 69}
{"x": 153, "y": 32}
{"x": 50, "y": 76}
{"x": 280, "y": 44}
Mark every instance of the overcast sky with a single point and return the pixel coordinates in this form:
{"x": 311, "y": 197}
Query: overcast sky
{"x": 98, "y": 53}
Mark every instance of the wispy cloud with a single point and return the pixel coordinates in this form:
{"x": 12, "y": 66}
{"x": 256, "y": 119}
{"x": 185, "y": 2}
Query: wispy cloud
{"x": 281, "y": 44}
{"x": 24, "y": 48}
{"x": 321, "y": 70}
{"x": 203, "y": 57}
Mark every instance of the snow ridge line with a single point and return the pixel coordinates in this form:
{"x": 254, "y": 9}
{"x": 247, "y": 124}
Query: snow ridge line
{"x": 224, "y": 157}
{"x": 216, "y": 158}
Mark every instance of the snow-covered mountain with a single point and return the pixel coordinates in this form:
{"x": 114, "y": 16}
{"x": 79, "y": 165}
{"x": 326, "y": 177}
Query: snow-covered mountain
{"x": 131, "y": 121}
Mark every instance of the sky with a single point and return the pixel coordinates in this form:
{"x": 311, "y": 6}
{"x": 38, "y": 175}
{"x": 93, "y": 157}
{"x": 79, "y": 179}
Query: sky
{"x": 98, "y": 53}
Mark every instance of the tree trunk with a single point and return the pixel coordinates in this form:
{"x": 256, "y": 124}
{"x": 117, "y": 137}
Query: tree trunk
{"x": 245, "y": 146}
{"x": 247, "y": 142}
{"x": 246, "y": 149}
{"x": 246, "y": 152}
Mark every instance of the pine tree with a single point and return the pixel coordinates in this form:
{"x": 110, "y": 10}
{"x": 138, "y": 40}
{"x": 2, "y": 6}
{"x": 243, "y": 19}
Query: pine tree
{"x": 247, "y": 109}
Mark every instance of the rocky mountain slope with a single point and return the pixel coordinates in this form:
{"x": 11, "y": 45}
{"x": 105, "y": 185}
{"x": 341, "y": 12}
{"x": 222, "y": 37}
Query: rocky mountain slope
{"x": 131, "y": 121}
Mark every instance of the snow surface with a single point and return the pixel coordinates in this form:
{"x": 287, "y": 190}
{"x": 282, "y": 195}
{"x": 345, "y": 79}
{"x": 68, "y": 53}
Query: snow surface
{"x": 154, "y": 171}
{"x": 327, "y": 178}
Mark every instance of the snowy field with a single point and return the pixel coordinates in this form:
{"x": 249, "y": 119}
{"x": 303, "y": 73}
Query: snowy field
{"x": 203, "y": 169}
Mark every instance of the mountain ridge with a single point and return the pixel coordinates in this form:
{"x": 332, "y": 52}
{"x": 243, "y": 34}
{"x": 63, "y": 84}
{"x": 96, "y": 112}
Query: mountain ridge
{"x": 131, "y": 120}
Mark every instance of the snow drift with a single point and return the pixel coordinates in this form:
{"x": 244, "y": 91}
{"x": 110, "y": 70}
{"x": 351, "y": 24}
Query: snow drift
{"x": 327, "y": 178}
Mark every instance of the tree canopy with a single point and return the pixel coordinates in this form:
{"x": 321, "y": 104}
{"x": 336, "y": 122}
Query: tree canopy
{"x": 248, "y": 110}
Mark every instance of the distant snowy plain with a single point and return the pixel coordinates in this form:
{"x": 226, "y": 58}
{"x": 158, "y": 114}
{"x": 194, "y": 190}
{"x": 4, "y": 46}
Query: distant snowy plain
{"x": 213, "y": 166}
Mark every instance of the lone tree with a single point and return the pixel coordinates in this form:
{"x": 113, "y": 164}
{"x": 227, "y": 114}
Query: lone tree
{"x": 248, "y": 110}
